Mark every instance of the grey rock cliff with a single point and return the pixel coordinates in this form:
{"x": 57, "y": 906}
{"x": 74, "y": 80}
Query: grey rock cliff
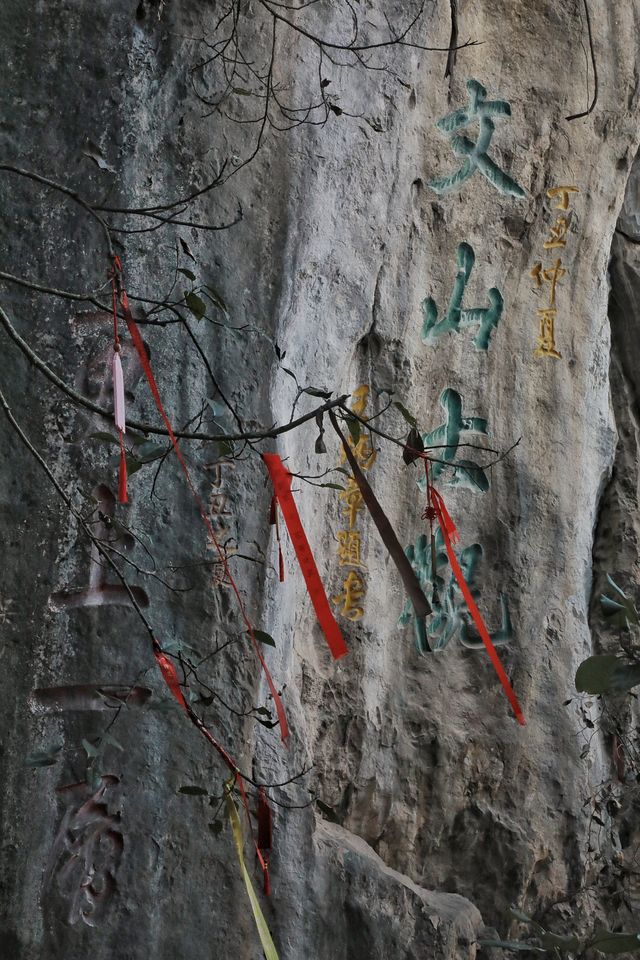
{"x": 448, "y": 811}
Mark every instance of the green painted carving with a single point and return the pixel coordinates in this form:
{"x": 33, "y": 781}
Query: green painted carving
{"x": 451, "y": 617}
{"x": 456, "y": 318}
{"x": 455, "y": 430}
{"x": 475, "y": 153}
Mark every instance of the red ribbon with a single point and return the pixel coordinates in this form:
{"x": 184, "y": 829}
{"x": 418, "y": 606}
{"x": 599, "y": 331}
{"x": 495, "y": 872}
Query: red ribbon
{"x": 122, "y": 474}
{"x": 144, "y": 360}
{"x": 281, "y": 480}
{"x": 450, "y": 534}
{"x": 170, "y": 675}
{"x": 264, "y": 834}
{"x": 262, "y": 860}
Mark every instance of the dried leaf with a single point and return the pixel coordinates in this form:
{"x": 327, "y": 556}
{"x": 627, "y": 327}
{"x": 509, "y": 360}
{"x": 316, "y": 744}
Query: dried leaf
{"x": 93, "y": 152}
{"x": 263, "y": 637}
{"x": 186, "y": 250}
{"x": 414, "y": 443}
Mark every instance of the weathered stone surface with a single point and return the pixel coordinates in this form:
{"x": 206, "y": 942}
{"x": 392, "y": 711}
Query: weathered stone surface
{"x": 435, "y": 786}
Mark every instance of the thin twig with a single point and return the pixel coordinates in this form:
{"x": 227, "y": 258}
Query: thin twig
{"x": 585, "y": 113}
{"x": 82, "y": 401}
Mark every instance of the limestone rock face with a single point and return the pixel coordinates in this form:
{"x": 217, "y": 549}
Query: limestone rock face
{"x": 437, "y": 810}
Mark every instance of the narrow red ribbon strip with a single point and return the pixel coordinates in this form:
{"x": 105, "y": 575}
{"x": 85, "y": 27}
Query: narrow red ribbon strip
{"x": 448, "y": 532}
{"x": 170, "y": 675}
{"x": 122, "y": 473}
{"x": 264, "y": 833}
{"x": 144, "y": 360}
{"x": 281, "y": 480}
{"x": 262, "y": 860}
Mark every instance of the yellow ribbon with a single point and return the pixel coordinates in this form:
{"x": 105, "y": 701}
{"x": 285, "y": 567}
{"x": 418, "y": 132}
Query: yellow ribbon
{"x": 268, "y": 945}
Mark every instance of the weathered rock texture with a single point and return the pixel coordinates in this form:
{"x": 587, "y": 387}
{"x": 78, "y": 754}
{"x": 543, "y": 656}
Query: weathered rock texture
{"x": 448, "y": 810}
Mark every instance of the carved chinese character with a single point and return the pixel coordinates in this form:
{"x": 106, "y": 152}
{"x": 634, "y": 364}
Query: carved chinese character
{"x": 216, "y": 467}
{"x": 559, "y": 234}
{"x": 87, "y": 850}
{"x": 353, "y": 590}
{"x": 360, "y": 399}
{"x": 451, "y": 617}
{"x": 220, "y": 576}
{"x": 456, "y": 317}
{"x": 551, "y": 275}
{"x": 447, "y": 437}
{"x": 363, "y": 452}
{"x": 100, "y": 593}
{"x": 546, "y": 340}
{"x": 475, "y": 152}
{"x": 563, "y": 194}
{"x": 349, "y": 549}
{"x": 353, "y": 501}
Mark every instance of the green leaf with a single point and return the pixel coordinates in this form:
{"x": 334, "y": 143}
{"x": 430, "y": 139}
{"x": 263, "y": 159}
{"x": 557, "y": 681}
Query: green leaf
{"x": 193, "y": 791}
{"x": 225, "y": 448}
{"x": 619, "y": 612}
{"x": 263, "y": 637}
{"x": 606, "y": 674}
{"x": 467, "y": 470}
{"x": 150, "y": 450}
{"x": 511, "y": 945}
{"x": 108, "y": 738}
{"x": 217, "y": 408}
{"x": 217, "y": 299}
{"x": 110, "y": 701}
{"x": 243, "y": 92}
{"x": 93, "y": 777}
{"x": 216, "y": 827}
{"x": 90, "y": 750}
{"x": 332, "y": 486}
{"x": 197, "y": 306}
{"x": 133, "y": 464}
{"x": 411, "y": 420}
{"x": 104, "y": 438}
{"x": 523, "y": 918}
{"x": 607, "y": 942}
{"x": 177, "y": 646}
{"x": 354, "y": 429}
{"x": 554, "y": 941}
{"x": 189, "y": 274}
{"x": 43, "y": 758}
